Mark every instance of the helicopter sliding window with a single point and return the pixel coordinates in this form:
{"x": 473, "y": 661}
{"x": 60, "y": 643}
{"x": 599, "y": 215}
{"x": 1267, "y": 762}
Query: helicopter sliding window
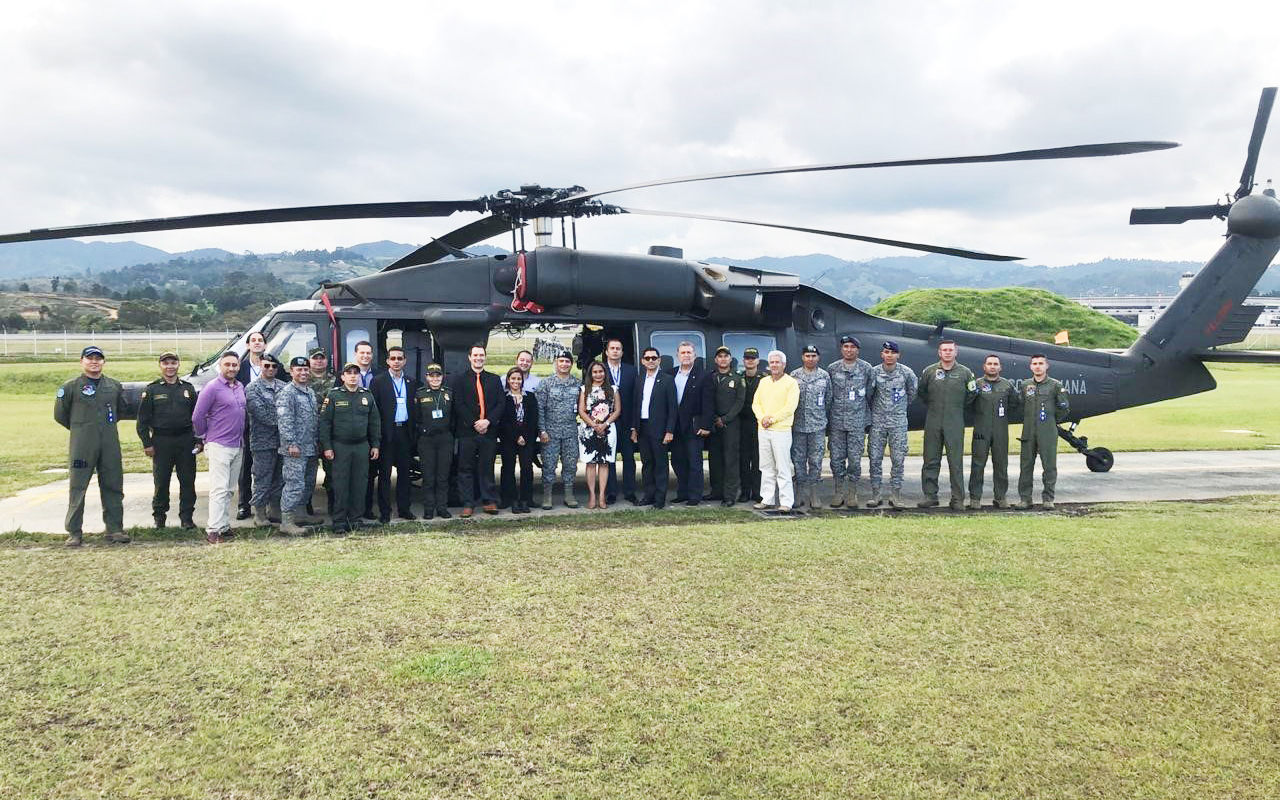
{"x": 292, "y": 339}
{"x": 668, "y": 341}
{"x": 737, "y": 342}
{"x": 351, "y": 339}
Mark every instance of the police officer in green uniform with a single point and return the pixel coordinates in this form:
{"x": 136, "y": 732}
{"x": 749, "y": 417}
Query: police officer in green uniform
{"x": 946, "y": 387}
{"x": 350, "y": 431}
{"x": 321, "y": 381}
{"x": 1044, "y": 405}
{"x": 994, "y": 404}
{"x": 726, "y": 439}
{"x": 88, "y": 406}
{"x": 164, "y": 426}
{"x": 435, "y": 442}
{"x": 749, "y": 447}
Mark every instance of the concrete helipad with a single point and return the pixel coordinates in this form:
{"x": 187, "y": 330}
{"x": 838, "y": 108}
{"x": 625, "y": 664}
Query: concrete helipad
{"x": 1192, "y": 475}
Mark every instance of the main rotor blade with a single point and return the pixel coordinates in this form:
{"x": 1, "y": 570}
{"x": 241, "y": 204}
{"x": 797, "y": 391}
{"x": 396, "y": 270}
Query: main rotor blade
{"x": 927, "y": 248}
{"x": 1255, "y": 141}
{"x": 1176, "y": 215}
{"x": 430, "y": 208}
{"x": 453, "y": 241}
{"x": 1075, "y": 151}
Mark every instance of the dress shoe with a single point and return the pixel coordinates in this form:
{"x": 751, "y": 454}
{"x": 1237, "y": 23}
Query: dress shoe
{"x": 466, "y": 512}
{"x": 611, "y": 499}
{"x": 490, "y": 508}
{"x": 408, "y": 515}
{"x": 159, "y": 520}
{"x": 212, "y": 537}
{"x": 385, "y": 519}
{"x": 726, "y": 503}
{"x": 659, "y": 503}
{"x": 188, "y": 524}
{"x": 227, "y": 534}
{"x": 631, "y": 498}
{"x": 443, "y": 513}
{"x": 745, "y": 497}
{"x": 428, "y": 513}
{"x": 692, "y": 502}
{"x": 644, "y": 501}
{"x": 244, "y": 513}
{"x": 368, "y": 515}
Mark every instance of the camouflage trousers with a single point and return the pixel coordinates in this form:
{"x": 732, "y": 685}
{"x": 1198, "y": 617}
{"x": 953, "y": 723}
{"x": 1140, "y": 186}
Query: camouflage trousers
{"x": 896, "y": 437}
{"x": 806, "y": 455}
{"x": 565, "y": 450}
{"x": 299, "y": 481}
{"x": 268, "y": 481}
{"x": 846, "y": 453}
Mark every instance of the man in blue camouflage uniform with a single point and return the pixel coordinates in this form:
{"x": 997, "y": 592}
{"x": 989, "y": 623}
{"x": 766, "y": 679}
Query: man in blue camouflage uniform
{"x": 1044, "y": 406}
{"x": 894, "y": 386}
{"x": 296, "y": 417}
{"x": 809, "y": 431}
{"x": 558, "y": 416}
{"x": 851, "y": 384}
{"x": 264, "y": 441}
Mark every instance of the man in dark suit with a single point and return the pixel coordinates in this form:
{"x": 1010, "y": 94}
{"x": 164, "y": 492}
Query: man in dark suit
{"x": 477, "y": 405}
{"x": 653, "y": 426}
{"x": 394, "y": 391}
{"x": 694, "y": 410}
{"x": 622, "y": 377}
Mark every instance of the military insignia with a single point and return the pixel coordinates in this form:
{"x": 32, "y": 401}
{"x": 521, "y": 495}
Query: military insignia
{"x": 186, "y": 393}
{"x": 144, "y": 394}
{"x": 939, "y": 375}
{"x": 972, "y": 385}
{"x": 87, "y": 390}
{"x": 364, "y": 401}
{"x": 730, "y": 384}
{"x": 1029, "y": 391}
{"x": 62, "y": 392}
{"x": 986, "y": 387}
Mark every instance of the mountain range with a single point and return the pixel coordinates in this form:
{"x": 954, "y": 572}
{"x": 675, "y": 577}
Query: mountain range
{"x": 861, "y": 282}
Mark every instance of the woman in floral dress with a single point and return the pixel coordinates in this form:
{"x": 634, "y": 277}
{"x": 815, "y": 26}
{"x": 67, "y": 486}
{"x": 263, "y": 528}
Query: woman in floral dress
{"x": 598, "y": 407}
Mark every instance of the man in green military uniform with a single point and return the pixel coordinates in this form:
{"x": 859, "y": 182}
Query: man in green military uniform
{"x": 321, "y": 381}
{"x": 946, "y": 387}
{"x": 994, "y": 404}
{"x": 749, "y": 442}
{"x": 88, "y": 406}
{"x": 1044, "y": 405}
{"x": 164, "y": 426}
{"x": 435, "y": 442}
{"x": 726, "y": 439}
{"x": 350, "y": 431}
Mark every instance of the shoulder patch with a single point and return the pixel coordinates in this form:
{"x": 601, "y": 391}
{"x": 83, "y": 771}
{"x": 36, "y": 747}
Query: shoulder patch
{"x": 62, "y": 391}
{"x": 144, "y": 394}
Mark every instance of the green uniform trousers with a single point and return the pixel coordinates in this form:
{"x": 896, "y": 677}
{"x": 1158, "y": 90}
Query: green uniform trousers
{"x": 1039, "y": 440}
{"x": 996, "y": 445}
{"x": 350, "y": 477}
{"x": 435, "y": 457}
{"x": 724, "y": 460}
{"x": 937, "y": 439}
{"x": 173, "y": 452}
{"x": 101, "y": 454}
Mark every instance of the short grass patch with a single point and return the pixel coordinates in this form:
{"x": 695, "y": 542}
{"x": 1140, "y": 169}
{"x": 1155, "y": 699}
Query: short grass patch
{"x": 1125, "y": 652}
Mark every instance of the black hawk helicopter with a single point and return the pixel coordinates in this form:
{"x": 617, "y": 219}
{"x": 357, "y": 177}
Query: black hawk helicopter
{"x": 439, "y": 300}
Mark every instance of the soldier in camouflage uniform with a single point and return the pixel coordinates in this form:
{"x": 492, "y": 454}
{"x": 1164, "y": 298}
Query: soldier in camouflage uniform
{"x": 809, "y": 431}
{"x": 88, "y": 406}
{"x": 1044, "y": 405}
{"x": 894, "y": 386}
{"x": 296, "y": 412}
{"x": 349, "y": 430}
{"x": 321, "y": 381}
{"x": 264, "y": 441}
{"x": 558, "y": 415}
{"x": 728, "y": 392}
{"x": 995, "y": 403}
{"x": 946, "y": 387}
{"x": 851, "y": 384}
{"x": 164, "y": 426}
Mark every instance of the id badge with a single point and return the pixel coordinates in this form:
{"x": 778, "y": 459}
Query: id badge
{"x": 853, "y": 394}
{"x": 437, "y": 413}
{"x": 1000, "y": 410}
{"x": 897, "y": 395}
{"x": 821, "y": 401}
{"x": 1043, "y": 415}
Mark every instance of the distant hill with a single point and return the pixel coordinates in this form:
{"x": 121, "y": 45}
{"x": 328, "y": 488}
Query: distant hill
{"x": 1023, "y": 313}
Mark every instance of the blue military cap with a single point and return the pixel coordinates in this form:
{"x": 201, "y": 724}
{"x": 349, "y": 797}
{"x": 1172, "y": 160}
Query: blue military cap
{"x": 892, "y": 347}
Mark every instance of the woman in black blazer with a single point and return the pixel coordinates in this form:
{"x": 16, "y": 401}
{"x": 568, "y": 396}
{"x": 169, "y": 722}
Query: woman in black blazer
{"x": 517, "y": 439}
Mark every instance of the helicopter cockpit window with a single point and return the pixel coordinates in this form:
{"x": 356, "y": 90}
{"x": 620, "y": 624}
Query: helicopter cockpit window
{"x": 292, "y": 339}
{"x": 353, "y": 337}
{"x": 668, "y": 341}
{"x": 738, "y": 342}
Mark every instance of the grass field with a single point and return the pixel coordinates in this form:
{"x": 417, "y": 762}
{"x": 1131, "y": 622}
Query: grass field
{"x": 1125, "y": 652}
{"x": 1243, "y": 401}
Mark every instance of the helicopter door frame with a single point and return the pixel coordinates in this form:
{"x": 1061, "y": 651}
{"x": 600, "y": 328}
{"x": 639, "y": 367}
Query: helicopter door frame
{"x": 666, "y": 336}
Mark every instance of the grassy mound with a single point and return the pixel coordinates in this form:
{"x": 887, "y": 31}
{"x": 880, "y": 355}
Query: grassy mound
{"x": 1033, "y": 314}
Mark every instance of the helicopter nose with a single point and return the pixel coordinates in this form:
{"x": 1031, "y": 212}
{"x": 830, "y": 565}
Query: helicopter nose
{"x": 1255, "y": 215}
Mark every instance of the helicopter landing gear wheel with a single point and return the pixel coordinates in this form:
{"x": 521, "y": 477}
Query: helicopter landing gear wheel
{"x": 1099, "y": 459}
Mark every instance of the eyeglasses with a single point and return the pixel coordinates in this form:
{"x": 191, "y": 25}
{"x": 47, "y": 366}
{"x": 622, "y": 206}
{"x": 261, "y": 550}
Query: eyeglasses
{"x": 648, "y": 358}
{"x": 268, "y": 365}
{"x": 395, "y": 358}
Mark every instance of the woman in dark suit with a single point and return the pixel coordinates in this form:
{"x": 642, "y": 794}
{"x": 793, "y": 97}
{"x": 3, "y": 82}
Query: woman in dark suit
{"x": 517, "y": 438}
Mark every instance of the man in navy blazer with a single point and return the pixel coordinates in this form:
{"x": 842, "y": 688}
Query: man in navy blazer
{"x": 477, "y": 409}
{"x": 695, "y": 406}
{"x": 653, "y": 426}
{"x": 394, "y": 392}
{"x": 622, "y": 377}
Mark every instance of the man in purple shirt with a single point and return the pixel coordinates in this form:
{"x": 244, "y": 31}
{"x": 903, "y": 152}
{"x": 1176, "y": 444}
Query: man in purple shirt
{"x": 219, "y": 420}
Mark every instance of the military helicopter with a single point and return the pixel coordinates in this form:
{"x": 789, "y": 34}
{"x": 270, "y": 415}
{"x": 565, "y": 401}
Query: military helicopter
{"x": 439, "y": 300}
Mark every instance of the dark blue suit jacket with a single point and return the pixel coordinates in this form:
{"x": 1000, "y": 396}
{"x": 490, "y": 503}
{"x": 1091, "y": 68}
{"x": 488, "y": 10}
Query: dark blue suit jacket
{"x": 384, "y": 394}
{"x": 695, "y": 410}
{"x": 662, "y": 405}
{"x": 624, "y": 387}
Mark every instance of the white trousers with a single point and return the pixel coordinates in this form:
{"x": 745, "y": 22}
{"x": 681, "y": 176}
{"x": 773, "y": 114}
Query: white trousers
{"x": 224, "y": 474}
{"x": 775, "y": 468}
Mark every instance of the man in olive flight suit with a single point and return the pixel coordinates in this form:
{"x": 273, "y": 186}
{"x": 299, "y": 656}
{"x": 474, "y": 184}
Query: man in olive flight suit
{"x": 350, "y": 432}
{"x": 435, "y": 442}
{"x": 946, "y": 387}
{"x": 728, "y": 395}
{"x": 88, "y": 406}
{"x": 995, "y": 403}
{"x": 164, "y": 426}
{"x": 1044, "y": 405}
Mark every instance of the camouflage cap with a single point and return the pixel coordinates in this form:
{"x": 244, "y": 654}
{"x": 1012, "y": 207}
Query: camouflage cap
{"x": 435, "y": 369}
{"x": 317, "y": 352}
{"x": 167, "y": 355}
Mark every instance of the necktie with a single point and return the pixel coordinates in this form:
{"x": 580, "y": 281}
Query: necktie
{"x": 480, "y": 394}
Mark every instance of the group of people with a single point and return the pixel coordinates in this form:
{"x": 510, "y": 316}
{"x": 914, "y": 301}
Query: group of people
{"x": 267, "y": 426}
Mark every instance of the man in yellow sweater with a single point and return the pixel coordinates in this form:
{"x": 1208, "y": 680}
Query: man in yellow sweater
{"x": 774, "y": 406}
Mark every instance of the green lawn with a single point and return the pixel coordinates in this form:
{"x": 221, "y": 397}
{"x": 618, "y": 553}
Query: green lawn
{"x": 1126, "y": 652}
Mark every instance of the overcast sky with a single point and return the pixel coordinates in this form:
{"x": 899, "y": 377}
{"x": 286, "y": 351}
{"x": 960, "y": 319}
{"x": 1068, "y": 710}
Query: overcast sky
{"x": 128, "y": 110}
